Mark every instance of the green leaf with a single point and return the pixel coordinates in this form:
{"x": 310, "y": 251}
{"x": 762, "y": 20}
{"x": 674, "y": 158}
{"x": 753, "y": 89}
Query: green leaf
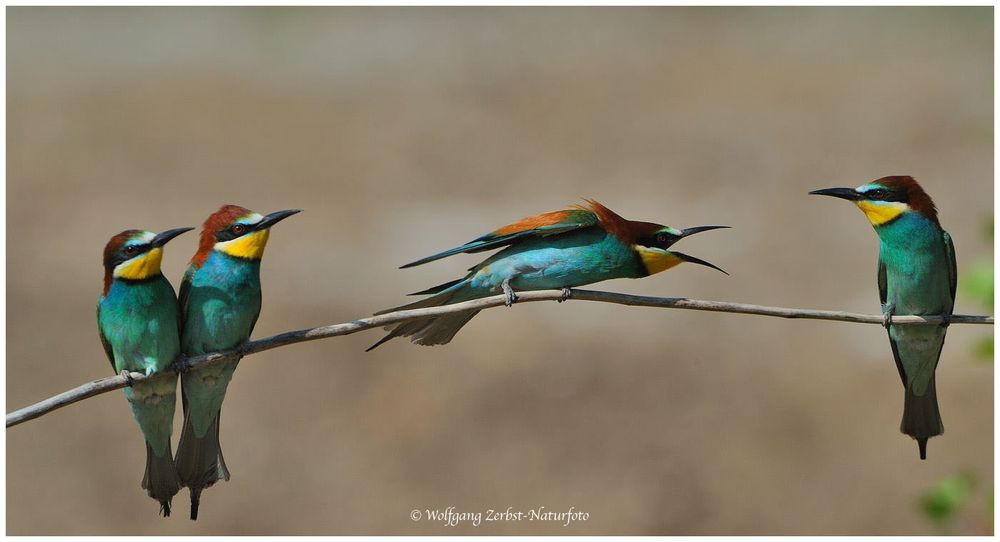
{"x": 977, "y": 283}
{"x": 984, "y": 348}
{"x": 941, "y": 503}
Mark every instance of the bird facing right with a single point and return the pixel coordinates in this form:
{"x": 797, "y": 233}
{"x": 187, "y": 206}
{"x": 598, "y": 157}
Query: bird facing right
{"x": 917, "y": 275}
{"x": 219, "y": 303}
{"x": 560, "y": 249}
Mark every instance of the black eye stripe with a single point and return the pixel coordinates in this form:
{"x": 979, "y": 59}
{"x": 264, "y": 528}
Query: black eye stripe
{"x": 882, "y": 194}
{"x": 231, "y": 232}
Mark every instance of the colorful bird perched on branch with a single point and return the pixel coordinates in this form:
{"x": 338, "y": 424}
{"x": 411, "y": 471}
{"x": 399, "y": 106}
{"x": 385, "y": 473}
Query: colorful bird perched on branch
{"x": 562, "y": 249}
{"x": 219, "y": 300}
{"x": 137, "y": 320}
{"x": 916, "y": 275}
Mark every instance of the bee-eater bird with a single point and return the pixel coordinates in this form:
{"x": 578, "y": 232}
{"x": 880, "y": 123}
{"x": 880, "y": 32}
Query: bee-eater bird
{"x": 561, "y": 249}
{"x": 137, "y": 320}
{"x": 219, "y": 302}
{"x": 916, "y": 275}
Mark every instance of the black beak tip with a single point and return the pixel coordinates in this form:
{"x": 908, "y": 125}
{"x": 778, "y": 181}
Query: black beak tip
{"x": 699, "y": 261}
{"x": 164, "y": 237}
{"x": 276, "y": 217}
{"x": 698, "y": 229}
{"x": 843, "y": 193}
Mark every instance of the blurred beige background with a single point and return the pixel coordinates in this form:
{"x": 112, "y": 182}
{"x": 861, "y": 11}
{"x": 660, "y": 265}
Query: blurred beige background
{"x": 402, "y": 132}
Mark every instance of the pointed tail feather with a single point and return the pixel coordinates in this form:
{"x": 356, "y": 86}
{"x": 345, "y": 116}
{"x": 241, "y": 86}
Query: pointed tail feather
{"x": 433, "y": 330}
{"x": 199, "y": 461}
{"x": 160, "y": 480}
{"x": 921, "y": 417}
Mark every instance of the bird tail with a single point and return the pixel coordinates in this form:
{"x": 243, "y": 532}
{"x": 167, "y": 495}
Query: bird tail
{"x": 436, "y": 329}
{"x": 921, "y": 417}
{"x": 199, "y": 460}
{"x": 160, "y": 480}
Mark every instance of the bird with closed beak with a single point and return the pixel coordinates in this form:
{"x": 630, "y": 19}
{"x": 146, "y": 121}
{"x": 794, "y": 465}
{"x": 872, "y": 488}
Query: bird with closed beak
{"x": 220, "y": 300}
{"x": 917, "y": 275}
{"x": 137, "y": 322}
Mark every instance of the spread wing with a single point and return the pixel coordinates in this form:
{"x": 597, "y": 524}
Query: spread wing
{"x": 104, "y": 341}
{"x": 949, "y": 250}
{"x": 542, "y": 225}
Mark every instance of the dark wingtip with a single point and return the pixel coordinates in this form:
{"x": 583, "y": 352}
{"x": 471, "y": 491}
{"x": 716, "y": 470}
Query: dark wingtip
{"x": 922, "y": 444}
{"x": 165, "y": 509}
{"x": 380, "y": 342}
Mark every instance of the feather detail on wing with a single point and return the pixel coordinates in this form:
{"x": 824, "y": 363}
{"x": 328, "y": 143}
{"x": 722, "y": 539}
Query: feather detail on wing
{"x": 952, "y": 263}
{"x": 542, "y": 225}
{"x": 104, "y": 341}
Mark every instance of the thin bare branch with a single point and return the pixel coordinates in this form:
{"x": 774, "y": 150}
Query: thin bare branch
{"x": 105, "y": 385}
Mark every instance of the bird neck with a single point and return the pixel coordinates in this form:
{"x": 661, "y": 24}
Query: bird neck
{"x": 124, "y": 286}
{"x": 221, "y": 269}
{"x": 909, "y": 231}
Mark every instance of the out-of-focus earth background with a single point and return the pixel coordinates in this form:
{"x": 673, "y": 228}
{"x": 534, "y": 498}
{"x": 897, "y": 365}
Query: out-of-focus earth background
{"x": 402, "y": 132}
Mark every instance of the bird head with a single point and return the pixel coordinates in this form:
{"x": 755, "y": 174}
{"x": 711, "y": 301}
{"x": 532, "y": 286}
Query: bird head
{"x": 653, "y": 240}
{"x": 135, "y": 254}
{"x": 886, "y": 199}
{"x": 238, "y": 232}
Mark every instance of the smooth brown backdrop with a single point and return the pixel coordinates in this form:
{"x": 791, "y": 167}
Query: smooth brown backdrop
{"x": 406, "y": 131}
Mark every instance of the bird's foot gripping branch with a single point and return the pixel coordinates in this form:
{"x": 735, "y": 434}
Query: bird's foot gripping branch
{"x": 104, "y": 385}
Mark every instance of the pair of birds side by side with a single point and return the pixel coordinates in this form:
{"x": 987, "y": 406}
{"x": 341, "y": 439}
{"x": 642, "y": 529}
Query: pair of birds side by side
{"x": 585, "y": 244}
{"x": 144, "y": 327}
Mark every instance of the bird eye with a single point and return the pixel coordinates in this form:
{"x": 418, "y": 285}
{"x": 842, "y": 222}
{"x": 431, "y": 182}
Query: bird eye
{"x": 876, "y": 194}
{"x": 662, "y": 238}
{"x": 239, "y": 229}
{"x": 131, "y": 250}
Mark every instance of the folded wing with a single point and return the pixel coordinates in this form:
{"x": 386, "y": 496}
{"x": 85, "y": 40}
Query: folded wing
{"x": 542, "y": 225}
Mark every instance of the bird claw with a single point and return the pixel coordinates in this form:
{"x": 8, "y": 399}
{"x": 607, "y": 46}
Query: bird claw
{"x": 508, "y": 292}
{"x": 566, "y": 294}
{"x": 128, "y": 378}
{"x": 945, "y": 321}
{"x": 887, "y": 311}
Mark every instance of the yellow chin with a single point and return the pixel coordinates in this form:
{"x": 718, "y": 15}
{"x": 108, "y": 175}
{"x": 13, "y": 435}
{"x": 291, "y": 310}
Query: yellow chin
{"x": 656, "y": 260}
{"x": 880, "y": 213}
{"x": 141, "y": 267}
{"x": 250, "y": 246}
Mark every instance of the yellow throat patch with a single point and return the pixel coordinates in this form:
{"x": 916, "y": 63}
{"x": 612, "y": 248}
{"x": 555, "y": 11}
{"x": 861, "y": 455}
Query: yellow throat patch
{"x": 880, "y": 213}
{"x": 142, "y": 266}
{"x": 250, "y": 246}
{"x": 656, "y": 260}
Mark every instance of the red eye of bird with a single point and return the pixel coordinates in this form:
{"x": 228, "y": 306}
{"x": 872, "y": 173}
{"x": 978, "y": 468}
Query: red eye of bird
{"x": 130, "y": 250}
{"x": 661, "y": 238}
{"x": 239, "y": 229}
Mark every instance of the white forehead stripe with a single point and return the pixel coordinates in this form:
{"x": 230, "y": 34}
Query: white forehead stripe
{"x": 251, "y": 218}
{"x": 866, "y": 187}
{"x": 146, "y": 237}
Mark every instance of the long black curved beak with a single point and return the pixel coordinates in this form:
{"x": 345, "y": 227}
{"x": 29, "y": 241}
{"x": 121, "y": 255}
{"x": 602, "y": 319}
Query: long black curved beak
{"x": 698, "y": 261}
{"x": 849, "y": 194}
{"x": 275, "y": 217}
{"x": 165, "y": 237}
{"x": 698, "y": 229}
